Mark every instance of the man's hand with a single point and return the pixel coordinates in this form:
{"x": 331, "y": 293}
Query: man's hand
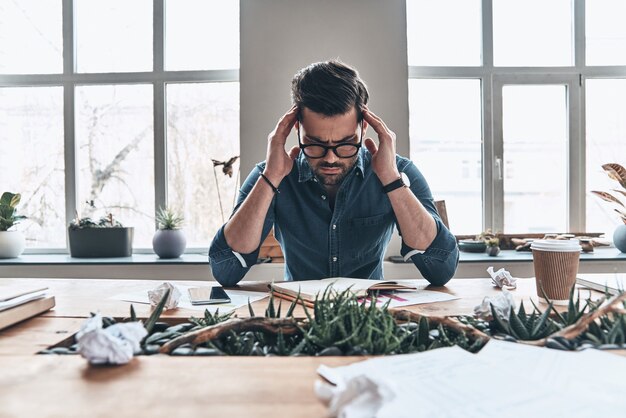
{"x": 278, "y": 162}
{"x": 383, "y": 155}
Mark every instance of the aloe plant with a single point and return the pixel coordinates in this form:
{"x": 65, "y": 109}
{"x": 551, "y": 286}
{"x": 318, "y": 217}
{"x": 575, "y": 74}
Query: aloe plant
{"x": 168, "y": 218}
{"x": 523, "y": 326}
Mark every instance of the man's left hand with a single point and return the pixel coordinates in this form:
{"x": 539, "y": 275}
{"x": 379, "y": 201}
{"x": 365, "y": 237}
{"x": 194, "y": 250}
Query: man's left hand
{"x": 383, "y": 155}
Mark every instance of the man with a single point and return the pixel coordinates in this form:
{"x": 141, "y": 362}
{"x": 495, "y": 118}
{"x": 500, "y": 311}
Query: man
{"x": 333, "y": 202}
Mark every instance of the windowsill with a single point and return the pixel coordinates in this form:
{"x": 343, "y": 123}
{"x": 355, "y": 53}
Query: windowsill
{"x": 135, "y": 259}
{"x": 196, "y": 266}
{"x": 601, "y": 254}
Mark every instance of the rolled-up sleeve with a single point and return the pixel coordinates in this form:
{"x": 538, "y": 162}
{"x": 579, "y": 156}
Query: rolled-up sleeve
{"x": 227, "y": 266}
{"x": 439, "y": 261}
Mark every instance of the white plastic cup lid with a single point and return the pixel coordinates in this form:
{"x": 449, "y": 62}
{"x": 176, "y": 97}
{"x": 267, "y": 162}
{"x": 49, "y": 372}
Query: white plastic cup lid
{"x": 557, "y": 245}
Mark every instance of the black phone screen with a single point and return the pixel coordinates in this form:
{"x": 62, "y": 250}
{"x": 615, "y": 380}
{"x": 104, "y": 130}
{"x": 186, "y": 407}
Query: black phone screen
{"x": 218, "y": 293}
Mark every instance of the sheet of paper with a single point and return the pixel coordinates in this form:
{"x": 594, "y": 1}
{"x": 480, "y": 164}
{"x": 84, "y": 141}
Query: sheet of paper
{"x": 238, "y": 298}
{"x": 450, "y": 382}
{"x": 20, "y": 300}
{"x": 399, "y": 298}
{"x": 588, "y": 371}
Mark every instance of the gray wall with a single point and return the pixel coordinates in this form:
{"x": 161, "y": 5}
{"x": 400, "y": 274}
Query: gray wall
{"x": 278, "y": 37}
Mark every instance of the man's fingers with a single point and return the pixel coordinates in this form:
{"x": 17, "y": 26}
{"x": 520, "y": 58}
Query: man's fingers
{"x": 370, "y": 145}
{"x": 293, "y": 152}
{"x": 287, "y": 121}
{"x": 376, "y": 123}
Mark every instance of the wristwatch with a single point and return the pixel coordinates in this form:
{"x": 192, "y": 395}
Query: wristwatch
{"x": 403, "y": 181}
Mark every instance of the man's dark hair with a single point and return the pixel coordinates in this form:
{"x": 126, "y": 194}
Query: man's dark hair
{"x": 329, "y": 88}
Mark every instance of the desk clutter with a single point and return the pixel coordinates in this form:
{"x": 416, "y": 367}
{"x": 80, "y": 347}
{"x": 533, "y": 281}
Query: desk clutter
{"x": 18, "y": 303}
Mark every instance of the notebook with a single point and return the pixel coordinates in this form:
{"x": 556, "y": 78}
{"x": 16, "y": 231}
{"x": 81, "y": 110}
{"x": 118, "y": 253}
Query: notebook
{"x": 613, "y": 283}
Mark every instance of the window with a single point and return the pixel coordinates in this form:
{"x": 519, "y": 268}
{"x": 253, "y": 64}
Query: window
{"x": 442, "y": 150}
{"x": 127, "y": 116}
{"x": 538, "y": 61}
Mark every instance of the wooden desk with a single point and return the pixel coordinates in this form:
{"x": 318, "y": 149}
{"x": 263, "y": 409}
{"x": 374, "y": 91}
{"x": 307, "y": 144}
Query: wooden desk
{"x": 32, "y": 385}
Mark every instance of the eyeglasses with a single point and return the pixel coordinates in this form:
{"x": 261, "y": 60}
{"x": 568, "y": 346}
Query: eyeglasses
{"x": 319, "y": 151}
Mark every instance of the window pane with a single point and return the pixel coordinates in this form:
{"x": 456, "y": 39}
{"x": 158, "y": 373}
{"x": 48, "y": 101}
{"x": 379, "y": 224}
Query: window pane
{"x": 606, "y": 143}
{"x": 114, "y": 35}
{"x": 605, "y": 32}
{"x": 31, "y": 37}
{"x": 31, "y": 161}
{"x": 201, "y": 35}
{"x": 532, "y": 33}
{"x": 202, "y": 124}
{"x": 446, "y": 136}
{"x": 115, "y": 155}
{"x": 444, "y": 32}
{"x": 535, "y": 158}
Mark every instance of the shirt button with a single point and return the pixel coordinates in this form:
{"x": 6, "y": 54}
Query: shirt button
{"x": 323, "y": 197}
{"x": 315, "y": 180}
{"x": 334, "y": 259}
{"x": 334, "y": 226}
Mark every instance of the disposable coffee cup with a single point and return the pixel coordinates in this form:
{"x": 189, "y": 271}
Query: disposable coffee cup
{"x": 556, "y": 266}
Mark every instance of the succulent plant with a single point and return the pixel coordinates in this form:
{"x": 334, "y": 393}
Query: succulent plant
{"x": 168, "y": 218}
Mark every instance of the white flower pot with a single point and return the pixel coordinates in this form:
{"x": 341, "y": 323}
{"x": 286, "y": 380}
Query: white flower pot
{"x": 12, "y": 244}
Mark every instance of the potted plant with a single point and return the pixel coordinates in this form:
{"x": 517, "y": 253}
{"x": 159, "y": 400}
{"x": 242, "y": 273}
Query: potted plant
{"x": 169, "y": 240}
{"x": 617, "y": 173}
{"x": 105, "y": 238}
{"x": 12, "y": 242}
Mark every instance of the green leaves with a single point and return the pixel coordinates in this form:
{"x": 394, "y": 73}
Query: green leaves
{"x": 168, "y": 218}
{"x": 156, "y": 314}
{"x": 523, "y": 326}
{"x": 8, "y": 205}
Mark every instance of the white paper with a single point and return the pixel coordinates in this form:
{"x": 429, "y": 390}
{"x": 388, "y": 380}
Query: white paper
{"x": 155, "y": 295}
{"x": 238, "y": 298}
{"x": 502, "y": 304}
{"x": 20, "y": 300}
{"x": 115, "y": 344}
{"x": 360, "y": 397}
{"x": 502, "y": 278}
{"x": 505, "y": 380}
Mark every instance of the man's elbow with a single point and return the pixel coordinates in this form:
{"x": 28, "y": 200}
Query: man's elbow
{"x": 441, "y": 274}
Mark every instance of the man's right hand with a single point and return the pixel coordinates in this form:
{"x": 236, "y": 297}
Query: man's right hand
{"x": 278, "y": 162}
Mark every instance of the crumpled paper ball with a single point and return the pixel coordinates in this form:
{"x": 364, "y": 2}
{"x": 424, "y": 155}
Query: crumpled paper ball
{"x": 502, "y": 304}
{"x": 115, "y": 344}
{"x": 155, "y": 295}
{"x": 359, "y": 397}
{"x": 502, "y": 278}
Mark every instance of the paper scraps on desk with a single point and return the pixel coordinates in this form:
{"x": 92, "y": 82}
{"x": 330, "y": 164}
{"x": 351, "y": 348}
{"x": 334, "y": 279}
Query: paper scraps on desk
{"x": 502, "y": 278}
{"x": 359, "y": 397}
{"x": 238, "y": 298}
{"x": 115, "y": 344}
{"x": 155, "y": 295}
{"x": 502, "y": 303}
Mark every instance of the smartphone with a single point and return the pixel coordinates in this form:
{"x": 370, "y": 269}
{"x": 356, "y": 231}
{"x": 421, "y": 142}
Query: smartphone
{"x": 207, "y": 295}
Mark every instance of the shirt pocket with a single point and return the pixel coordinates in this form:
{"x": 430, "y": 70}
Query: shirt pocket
{"x": 365, "y": 236}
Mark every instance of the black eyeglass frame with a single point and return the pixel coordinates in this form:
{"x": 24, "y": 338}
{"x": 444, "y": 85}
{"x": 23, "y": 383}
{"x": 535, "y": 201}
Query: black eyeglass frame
{"x": 326, "y": 148}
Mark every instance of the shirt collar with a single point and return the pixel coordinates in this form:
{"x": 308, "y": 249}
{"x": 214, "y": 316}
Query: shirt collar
{"x": 305, "y": 173}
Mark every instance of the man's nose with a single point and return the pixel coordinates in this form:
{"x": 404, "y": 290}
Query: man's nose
{"x": 330, "y": 157}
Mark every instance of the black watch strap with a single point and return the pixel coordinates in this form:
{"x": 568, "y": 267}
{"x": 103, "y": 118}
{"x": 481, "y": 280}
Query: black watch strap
{"x": 396, "y": 184}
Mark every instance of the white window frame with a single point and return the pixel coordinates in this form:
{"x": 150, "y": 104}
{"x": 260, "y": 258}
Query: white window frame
{"x": 158, "y": 78}
{"x": 492, "y": 78}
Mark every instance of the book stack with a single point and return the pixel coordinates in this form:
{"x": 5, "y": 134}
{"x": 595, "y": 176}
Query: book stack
{"x": 18, "y": 303}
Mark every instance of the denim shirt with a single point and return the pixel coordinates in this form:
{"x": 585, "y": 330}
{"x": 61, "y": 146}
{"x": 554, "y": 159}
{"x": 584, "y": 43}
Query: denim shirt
{"x": 347, "y": 241}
